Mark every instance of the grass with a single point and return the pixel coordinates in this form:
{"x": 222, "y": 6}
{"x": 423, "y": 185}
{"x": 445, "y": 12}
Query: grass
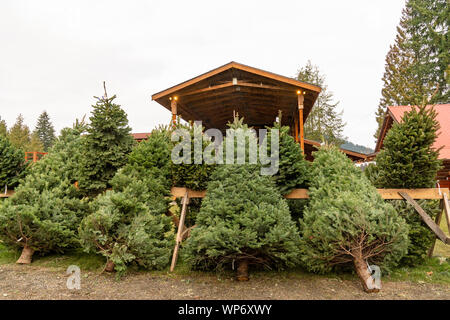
{"x": 85, "y": 261}
{"x": 435, "y": 270}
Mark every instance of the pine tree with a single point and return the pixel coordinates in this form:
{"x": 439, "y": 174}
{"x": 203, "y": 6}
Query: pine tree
{"x": 409, "y": 161}
{"x": 12, "y": 166}
{"x": 416, "y": 64}
{"x": 243, "y": 220}
{"x": 346, "y": 221}
{"x": 45, "y": 131}
{"x": 19, "y": 134}
{"x": 105, "y": 147}
{"x": 323, "y": 122}
{"x": 293, "y": 169}
{"x": 43, "y": 214}
{"x": 128, "y": 224}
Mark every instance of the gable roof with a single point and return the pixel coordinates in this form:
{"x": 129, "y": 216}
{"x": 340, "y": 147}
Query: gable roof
{"x": 395, "y": 114}
{"x": 257, "y": 95}
{"x": 238, "y": 66}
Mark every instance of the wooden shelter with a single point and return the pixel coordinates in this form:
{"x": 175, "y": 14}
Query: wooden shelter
{"x": 257, "y": 95}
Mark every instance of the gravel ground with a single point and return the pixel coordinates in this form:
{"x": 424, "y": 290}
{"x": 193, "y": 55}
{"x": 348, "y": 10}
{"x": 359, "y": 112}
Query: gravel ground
{"x": 30, "y": 282}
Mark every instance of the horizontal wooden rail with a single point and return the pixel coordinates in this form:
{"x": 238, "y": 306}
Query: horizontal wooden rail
{"x": 388, "y": 194}
{"x": 8, "y": 194}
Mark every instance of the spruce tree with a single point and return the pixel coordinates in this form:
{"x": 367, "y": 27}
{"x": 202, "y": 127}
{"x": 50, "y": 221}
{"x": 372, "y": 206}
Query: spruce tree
{"x": 43, "y": 214}
{"x": 128, "y": 224}
{"x": 346, "y": 221}
{"x": 323, "y": 122}
{"x": 409, "y": 161}
{"x": 12, "y": 164}
{"x": 45, "y": 131}
{"x": 243, "y": 220}
{"x": 105, "y": 147}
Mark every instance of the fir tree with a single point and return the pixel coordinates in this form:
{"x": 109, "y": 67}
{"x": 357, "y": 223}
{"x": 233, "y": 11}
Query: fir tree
{"x": 128, "y": 224}
{"x": 293, "y": 169}
{"x": 243, "y": 220}
{"x": 409, "y": 161}
{"x": 323, "y": 122}
{"x": 346, "y": 221}
{"x": 19, "y": 134}
{"x": 43, "y": 214}
{"x": 12, "y": 166}
{"x": 105, "y": 147}
{"x": 416, "y": 64}
{"x": 45, "y": 131}
{"x": 194, "y": 175}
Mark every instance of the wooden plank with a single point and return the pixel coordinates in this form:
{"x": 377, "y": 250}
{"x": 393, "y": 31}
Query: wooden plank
{"x": 179, "y": 232}
{"x": 8, "y": 194}
{"x": 388, "y": 194}
{"x": 438, "y": 222}
{"x": 429, "y": 193}
{"x": 426, "y": 218}
{"x": 297, "y": 194}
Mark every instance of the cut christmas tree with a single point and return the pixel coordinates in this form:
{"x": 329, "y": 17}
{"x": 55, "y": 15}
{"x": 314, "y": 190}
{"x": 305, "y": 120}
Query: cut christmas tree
{"x": 347, "y": 222}
{"x": 243, "y": 220}
{"x": 408, "y": 160}
{"x": 129, "y": 223}
{"x": 43, "y": 214}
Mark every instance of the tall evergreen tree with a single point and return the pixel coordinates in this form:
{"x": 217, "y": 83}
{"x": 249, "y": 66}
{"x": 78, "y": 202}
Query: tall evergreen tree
{"x": 243, "y": 220}
{"x": 417, "y": 62}
{"x": 45, "y": 131}
{"x": 324, "y": 122}
{"x": 105, "y": 147}
{"x": 19, "y": 134}
{"x": 347, "y": 222}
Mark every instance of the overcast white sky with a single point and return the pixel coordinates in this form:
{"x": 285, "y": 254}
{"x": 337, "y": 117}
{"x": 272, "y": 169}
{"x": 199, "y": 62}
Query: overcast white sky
{"x": 54, "y": 55}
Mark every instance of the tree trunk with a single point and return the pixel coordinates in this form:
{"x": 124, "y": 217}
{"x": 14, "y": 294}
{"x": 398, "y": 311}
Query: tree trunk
{"x": 25, "y": 257}
{"x": 110, "y": 266}
{"x": 364, "y": 274}
{"x": 242, "y": 270}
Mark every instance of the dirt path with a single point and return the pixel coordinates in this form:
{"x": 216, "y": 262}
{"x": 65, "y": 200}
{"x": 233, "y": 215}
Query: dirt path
{"x": 25, "y": 282}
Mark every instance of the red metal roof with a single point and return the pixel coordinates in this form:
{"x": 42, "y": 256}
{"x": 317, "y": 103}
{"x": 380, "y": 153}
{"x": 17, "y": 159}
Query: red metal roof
{"x": 443, "y": 117}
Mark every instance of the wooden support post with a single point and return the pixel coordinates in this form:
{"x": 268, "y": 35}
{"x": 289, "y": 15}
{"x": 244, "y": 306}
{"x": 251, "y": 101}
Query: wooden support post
{"x": 179, "y": 237}
{"x": 438, "y": 222}
{"x": 296, "y": 127}
{"x": 173, "y": 107}
{"x": 301, "y": 98}
{"x": 426, "y": 218}
{"x": 34, "y": 156}
{"x": 447, "y": 210}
